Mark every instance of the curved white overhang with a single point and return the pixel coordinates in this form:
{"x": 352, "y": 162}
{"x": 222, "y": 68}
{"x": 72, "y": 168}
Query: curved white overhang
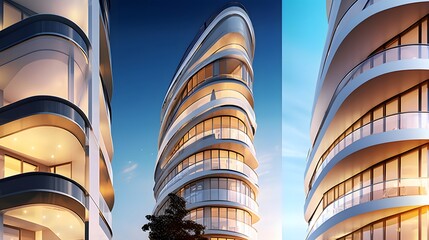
{"x": 210, "y": 142}
{"x": 352, "y": 102}
{"x": 218, "y": 27}
{"x": 216, "y": 88}
{"x": 228, "y": 204}
{"x": 391, "y": 16}
{"x": 348, "y": 162}
{"x": 360, "y": 215}
{"x": 181, "y": 83}
{"x": 217, "y": 173}
{"x": 198, "y": 114}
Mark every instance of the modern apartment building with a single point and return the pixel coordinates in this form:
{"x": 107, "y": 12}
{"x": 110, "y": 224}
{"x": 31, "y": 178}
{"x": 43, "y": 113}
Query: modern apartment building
{"x": 206, "y": 152}
{"x": 367, "y": 170}
{"x": 55, "y": 139}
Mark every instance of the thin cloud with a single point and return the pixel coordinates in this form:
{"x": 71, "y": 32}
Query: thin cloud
{"x": 130, "y": 169}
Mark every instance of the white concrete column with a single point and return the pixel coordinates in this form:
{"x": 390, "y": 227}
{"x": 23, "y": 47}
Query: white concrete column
{"x": 93, "y": 230}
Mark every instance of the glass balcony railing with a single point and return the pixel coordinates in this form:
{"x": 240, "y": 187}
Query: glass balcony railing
{"x": 105, "y": 210}
{"x": 221, "y": 195}
{"x": 376, "y": 191}
{"x": 206, "y": 165}
{"x": 219, "y": 133}
{"x": 407, "y": 120}
{"x": 403, "y": 52}
{"x": 225, "y": 224}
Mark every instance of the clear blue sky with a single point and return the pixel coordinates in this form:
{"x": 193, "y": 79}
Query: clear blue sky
{"x": 148, "y": 39}
{"x": 304, "y": 26}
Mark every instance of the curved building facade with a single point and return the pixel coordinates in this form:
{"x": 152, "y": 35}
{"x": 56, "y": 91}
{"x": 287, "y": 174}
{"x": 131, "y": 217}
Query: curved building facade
{"x": 206, "y": 152}
{"x": 367, "y": 171}
{"x": 55, "y": 141}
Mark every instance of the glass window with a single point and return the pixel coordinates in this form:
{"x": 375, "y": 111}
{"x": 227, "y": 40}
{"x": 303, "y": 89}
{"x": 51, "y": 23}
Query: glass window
{"x": 215, "y": 217}
{"x": 208, "y": 125}
{"x": 411, "y": 36}
{"x": 192, "y": 132}
{"x": 12, "y": 166}
{"x": 199, "y": 157}
{"x": 409, "y": 165}
{"x": 64, "y": 170}
{"x": 10, "y": 233}
{"x": 11, "y": 15}
{"x": 377, "y": 231}
{"x": 27, "y": 167}
{"x": 424, "y": 161}
{"x": 410, "y": 101}
{"x": 392, "y": 228}
{"x": 366, "y": 233}
{"x": 424, "y": 223}
{"x": 392, "y": 170}
{"x": 216, "y": 122}
{"x": 424, "y": 100}
{"x": 201, "y": 76}
{"x": 199, "y": 128}
{"x": 209, "y": 70}
{"x": 424, "y": 28}
{"x": 225, "y": 122}
{"x": 410, "y": 225}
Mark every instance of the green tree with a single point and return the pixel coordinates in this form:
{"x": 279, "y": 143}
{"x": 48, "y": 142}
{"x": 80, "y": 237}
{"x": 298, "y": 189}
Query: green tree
{"x": 171, "y": 225}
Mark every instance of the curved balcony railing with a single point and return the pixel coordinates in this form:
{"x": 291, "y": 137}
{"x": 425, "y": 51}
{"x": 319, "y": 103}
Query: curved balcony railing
{"x": 235, "y": 134}
{"x": 206, "y": 165}
{"x": 403, "y": 52}
{"x": 221, "y": 195}
{"x": 105, "y": 210}
{"x": 43, "y": 104}
{"x": 224, "y": 224}
{"x": 376, "y": 191}
{"x": 407, "y": 120}
{"x": 42, "y": 187}
{"x": 201, "y": 102}
{"x": 43, "y": 24}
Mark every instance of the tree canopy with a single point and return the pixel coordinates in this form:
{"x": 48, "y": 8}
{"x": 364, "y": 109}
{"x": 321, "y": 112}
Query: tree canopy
{"x": 171, "y": 225}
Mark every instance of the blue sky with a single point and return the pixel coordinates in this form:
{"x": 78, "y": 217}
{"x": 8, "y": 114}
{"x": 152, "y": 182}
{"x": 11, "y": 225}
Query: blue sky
{"x": 304, "y": 27}
{"x": 147, "y": 42}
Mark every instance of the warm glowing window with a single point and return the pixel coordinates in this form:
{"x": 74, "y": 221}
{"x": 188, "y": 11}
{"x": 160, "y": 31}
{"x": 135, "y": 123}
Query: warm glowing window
{"x": 11, "y": 15}
{"x": 14, "y": 166}
{"x": 63, "y": 169}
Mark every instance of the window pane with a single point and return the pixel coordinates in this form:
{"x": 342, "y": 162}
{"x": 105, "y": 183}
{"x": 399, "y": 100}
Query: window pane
{"x": 12, "y": 166}
{"x": 27, "y": 167}
{"x": 409, "y": 101}
{"x": 392, "y": 228}
{"x": 10, "y": 233}
{"x": 411, "y": 36}
{"x": 64, "y": 170}
{"x": 209, "y": 70}
{"x": 378, "y": 231}
{"x": 424, "y": 31}
{"x": 410, "y": 225}
{"x": 424, "y": 162}
{"x": 409, "y": 165}
{"x": 11, "y": 15}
